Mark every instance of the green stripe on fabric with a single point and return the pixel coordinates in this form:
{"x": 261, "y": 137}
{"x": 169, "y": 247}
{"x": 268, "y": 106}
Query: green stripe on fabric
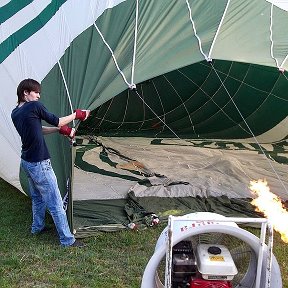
{"x": 12, "y": 8}
{"x": 13, "y": 41}
{"x": 92, "y": 168}
{"x": 279, "y": 152}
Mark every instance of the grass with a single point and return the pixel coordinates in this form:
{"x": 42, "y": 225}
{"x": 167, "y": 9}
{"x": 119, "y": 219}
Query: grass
{"x": 115, "y": 259}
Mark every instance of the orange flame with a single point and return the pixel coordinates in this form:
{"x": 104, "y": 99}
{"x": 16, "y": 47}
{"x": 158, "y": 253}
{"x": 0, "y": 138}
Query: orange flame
{"x": 271, "y": 206}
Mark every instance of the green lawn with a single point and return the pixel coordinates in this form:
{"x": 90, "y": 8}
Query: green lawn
{"x": 115, "y": 259}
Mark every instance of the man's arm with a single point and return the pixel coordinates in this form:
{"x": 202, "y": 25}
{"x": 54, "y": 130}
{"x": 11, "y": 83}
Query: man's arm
{"x": 48, "y": 130}
{"x": 66, "y": 119}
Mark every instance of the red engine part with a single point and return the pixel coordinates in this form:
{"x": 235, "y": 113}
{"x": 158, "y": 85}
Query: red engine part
{"x": 202, "y": 283}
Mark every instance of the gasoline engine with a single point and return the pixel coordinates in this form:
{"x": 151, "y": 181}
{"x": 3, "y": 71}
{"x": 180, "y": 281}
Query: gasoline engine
{"x": 204, "y": 266}
{"x": 208, "y": 250}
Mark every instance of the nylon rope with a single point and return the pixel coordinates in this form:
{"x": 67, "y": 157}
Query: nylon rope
{"x": 130, "y": 85}
{"x": 271, "y": 37}
{"x": 135, "y": 44}
{"x": 195, "y": 32}
{"x": 280, "y": 67}
{"x": 144, "y": 114}
{"x": 254, "y": 137}
{"x": 218, "y": 29}
{"x": 66, "y": 88}
{"x": 112, "y": 54}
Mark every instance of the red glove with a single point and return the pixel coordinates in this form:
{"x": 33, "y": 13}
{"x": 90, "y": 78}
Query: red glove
{"x": 67, "y": 131}
{"x": 82, "y": 115}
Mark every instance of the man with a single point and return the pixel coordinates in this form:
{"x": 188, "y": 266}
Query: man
{"x": 35, "y": 157}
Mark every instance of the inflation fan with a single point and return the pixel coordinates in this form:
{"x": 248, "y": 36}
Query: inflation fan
{"x": 208, "y": 250}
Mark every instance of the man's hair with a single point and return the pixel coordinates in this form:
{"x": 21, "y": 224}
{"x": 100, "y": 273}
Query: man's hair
{"x": 27, "y": 85}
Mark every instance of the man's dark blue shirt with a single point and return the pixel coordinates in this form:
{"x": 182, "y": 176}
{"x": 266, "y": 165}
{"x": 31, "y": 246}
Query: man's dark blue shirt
{"x": 27, "y": 120}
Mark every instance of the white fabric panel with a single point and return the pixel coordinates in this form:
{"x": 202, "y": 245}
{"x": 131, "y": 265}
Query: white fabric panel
{"x": 34, "y": 58}
{"x": 4, "y": 2}
{"x": 10, "y": 163}
{"x": 10, "y": 144}
{"x": 283, "y": 4}
{"x": 21, "y": 18}
{"x": 7, "y": 103}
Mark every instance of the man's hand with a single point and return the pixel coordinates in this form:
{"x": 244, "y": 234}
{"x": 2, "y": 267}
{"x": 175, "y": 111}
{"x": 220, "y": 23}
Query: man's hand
{"x": 82, "y": 115}
{"x": 67, "y": 131}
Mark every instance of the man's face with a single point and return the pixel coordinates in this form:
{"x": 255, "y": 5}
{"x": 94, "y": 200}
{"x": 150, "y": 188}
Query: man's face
{"x": 31, "y": 96}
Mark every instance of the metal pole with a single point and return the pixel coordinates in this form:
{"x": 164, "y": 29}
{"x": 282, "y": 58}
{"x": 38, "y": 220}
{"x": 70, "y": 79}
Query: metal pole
{"x": 260, "y": 255}
{"x": 269, "y": 256}
{"x": 169, "y": 246}
{"x": 226, "y": 219}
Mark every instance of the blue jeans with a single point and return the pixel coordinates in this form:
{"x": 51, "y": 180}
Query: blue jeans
{"x": 45, "y": 194}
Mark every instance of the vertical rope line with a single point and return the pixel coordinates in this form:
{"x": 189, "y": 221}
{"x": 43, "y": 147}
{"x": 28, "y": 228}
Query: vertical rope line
{"x": 135, "y": 42}
{"x": 285, "y": 59}
{"x": 218, "y": 29}
{"x": 195, "y": 32}
{"x": 66, "y": 88}
{"x": 254, "y": 137}
{"x": 109, "y": 48}
{"x": 271, "y": 36}
{"x": 144, "y": 112}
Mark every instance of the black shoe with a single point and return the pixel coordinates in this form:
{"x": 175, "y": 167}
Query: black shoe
{"x": 44, "y": 230}
{"x": 78, "y": 243}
